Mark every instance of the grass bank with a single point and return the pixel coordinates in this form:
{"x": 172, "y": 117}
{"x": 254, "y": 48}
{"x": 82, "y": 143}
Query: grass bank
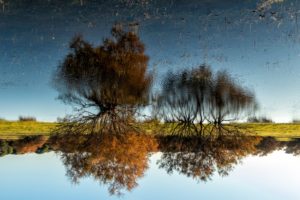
{"x": 281, "y": 131}
{"x": 16, "y": 129}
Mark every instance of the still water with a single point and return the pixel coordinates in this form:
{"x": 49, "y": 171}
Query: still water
{"x": 43, "y": 176}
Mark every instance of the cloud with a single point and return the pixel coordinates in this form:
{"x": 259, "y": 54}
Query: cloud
{"x": 266, "y": 4}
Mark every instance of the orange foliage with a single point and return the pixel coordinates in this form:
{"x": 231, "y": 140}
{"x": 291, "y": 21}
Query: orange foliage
{"x": 29, "y": 144}
{"x": 114, "y": 160}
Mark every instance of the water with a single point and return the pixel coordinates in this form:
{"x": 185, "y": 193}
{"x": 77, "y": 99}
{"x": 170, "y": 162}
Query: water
{"x": 43, "y": 176}
{"x": 255, "y": 41}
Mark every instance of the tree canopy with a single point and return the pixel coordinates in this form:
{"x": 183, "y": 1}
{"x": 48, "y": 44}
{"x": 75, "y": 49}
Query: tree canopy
{"x": 111, "y": 78}
{"x": 199, "y": 95}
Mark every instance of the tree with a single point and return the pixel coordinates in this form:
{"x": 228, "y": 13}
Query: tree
{"x": 229, "y": 100}
{"x": 117, "y": 161}
{"x": 184, "y": 97}
{"x": 106, "y": 83}
{"x": 200, "y": 159}
{"x": 195, "y": 96}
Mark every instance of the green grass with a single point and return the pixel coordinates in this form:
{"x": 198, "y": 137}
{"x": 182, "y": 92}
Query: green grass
{"x": 16, "y": 129}
{"x": 284, "y": 130}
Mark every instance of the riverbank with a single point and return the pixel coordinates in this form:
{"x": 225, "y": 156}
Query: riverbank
{"x": 16, "y": 129}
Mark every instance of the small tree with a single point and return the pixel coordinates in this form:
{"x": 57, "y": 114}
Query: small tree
{"x": 27, "y": 119}
{"x": 228, "y": 100}
{"x": 184, "y": 98}
{"x": 106, "y": 83}
{"x": 262, "y": 119}
{"x": 196, "y": 96}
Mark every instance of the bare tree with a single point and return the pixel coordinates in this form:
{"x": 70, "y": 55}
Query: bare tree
{"x": 184, "y": 98}
{"x": 228, "y": 100}
{"x": 192, "y": 97}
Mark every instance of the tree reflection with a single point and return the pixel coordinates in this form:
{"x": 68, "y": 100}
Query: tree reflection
{"x": 200, "y": 158}
{"x": 293, "y": 147}
{"x": 269, "y": 145}
{"x": 116, "y": 161}
{"x": 119, "y": 161}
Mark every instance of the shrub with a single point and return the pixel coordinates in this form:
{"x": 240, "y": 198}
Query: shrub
{"x": 27, "y": 119}
{"x": 62, "y": 119}
{"x": 259, "y": 120}
{"x": 5, "y": 148}
{"x": 296, "y": 121}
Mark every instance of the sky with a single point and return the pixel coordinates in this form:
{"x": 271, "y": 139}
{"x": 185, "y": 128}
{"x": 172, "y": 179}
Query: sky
{"x": 257, "y": 41}
{"x": 47, "y": 173}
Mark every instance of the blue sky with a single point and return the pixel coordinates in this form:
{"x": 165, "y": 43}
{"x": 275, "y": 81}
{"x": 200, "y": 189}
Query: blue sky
{"x": 47, "y": 173}
{"x": 258, "y": 47}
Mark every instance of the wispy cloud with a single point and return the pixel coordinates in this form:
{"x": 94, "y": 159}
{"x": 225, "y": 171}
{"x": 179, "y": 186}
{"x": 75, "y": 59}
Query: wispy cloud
{"x": 266, "y": 4}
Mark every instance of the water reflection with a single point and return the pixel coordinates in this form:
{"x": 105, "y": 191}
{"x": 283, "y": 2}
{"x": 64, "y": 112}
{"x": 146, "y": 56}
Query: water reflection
{"x": 116, "y": 161}
{"x": 110, "y": 82}
{"x": 119, "y": 161}
{"x": 200, "y": 159}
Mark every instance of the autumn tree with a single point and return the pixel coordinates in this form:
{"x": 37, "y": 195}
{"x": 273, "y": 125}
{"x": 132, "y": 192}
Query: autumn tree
{"x": 106, "y": 83}
{"x": 117, "y": 161}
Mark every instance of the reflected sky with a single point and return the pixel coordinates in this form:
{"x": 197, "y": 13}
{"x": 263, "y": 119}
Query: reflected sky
{"x": 257, "y": 41}
{"x": 43, "y": 176}
{"x": 144, "y": 167}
